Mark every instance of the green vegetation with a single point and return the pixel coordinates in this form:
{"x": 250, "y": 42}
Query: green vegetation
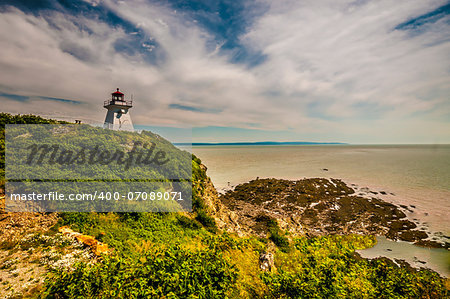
{"x": 6, "y": 118}
{"x": 276, "y": 235}
{"x": 157, "y": 272}
{"x": 154, "y": 256}
{"x": 158, "y": 255}
{"x": 128, "y": 171}
{"x": 198, "y": 191}
{"x": 184, "y": 255}
{"x": 326, "y": 267}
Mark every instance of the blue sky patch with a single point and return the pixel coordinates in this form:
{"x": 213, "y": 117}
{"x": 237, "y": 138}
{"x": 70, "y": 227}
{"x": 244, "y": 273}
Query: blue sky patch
{"x": 20, "y": 98}
{"x": 61, "y": 100}
{"x": 430, "y": 17}
{"x": 14, "y": 97}
{"x": 193, "y": 109}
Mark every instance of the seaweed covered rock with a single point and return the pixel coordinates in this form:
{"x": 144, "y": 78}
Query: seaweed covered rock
{"x": 316, "y": 206}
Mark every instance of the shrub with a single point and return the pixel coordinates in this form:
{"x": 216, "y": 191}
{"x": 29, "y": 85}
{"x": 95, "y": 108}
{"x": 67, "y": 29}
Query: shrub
{"x": 171, "y": 273}
{"x": 79, "y": 220}
{"x": 207, "y": 220}
{"x": 276, "y": 235}
{"x": 188, "y": 222}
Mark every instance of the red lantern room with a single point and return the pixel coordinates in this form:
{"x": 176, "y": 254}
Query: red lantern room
{"x": 117, "y": 96}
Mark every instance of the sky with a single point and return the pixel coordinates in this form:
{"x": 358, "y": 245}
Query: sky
{"x": 362, "y": 72}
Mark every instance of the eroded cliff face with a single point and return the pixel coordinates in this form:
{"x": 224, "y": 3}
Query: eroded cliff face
{"x": 308, "y": 207}
{"x": 226, "y": 219}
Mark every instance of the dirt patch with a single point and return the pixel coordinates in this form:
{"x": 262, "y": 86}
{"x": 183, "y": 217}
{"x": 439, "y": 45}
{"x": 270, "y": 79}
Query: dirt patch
{"x": 29, "y": 248}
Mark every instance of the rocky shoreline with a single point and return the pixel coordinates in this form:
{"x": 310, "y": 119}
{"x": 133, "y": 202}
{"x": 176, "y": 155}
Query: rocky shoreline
{"x": 319, "y": 206}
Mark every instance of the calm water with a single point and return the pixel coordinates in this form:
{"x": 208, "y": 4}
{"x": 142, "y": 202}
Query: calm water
{"x": 416, "y": 175}
{"x": 436, "y": 259}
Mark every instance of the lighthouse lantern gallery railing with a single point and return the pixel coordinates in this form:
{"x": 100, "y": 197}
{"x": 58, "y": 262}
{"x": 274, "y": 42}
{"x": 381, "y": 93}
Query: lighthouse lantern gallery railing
{"x": 118, "y": 103}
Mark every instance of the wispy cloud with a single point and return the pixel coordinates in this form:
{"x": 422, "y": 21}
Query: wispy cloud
{"x": 351, "y": 71}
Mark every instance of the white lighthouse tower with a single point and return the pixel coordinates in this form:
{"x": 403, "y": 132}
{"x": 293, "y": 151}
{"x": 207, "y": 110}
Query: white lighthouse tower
{"x": 117, "y": 117}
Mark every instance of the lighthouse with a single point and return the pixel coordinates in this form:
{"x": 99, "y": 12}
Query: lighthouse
{"x": 117, "y": 117}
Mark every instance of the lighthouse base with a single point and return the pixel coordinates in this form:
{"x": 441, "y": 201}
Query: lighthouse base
{"x": 118, "y": 120}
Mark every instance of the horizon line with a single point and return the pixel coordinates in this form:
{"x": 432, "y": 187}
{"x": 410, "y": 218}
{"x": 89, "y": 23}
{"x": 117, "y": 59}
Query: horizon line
{"x": 258, "y": 143}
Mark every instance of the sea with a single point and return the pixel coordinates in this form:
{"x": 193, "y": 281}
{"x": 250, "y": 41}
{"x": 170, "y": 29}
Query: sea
{"x": 410, "y": 175}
